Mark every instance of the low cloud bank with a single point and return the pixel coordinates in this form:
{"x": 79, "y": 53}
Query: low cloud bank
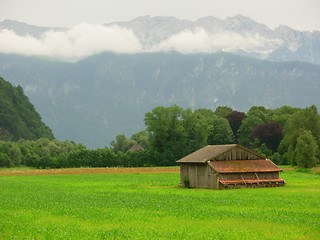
{"x": 202, "y": 42}
{"x": 78, "y": 42}
{"x": 84, "y": 40}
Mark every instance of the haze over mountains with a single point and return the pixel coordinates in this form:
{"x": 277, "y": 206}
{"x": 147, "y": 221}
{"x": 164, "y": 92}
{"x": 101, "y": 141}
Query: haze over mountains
{"x": 94, "y": 82}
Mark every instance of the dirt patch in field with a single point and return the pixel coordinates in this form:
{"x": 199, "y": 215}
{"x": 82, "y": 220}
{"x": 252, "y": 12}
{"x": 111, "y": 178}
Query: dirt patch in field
{"x": 316, "y": 170}
{"x": 18, "y": 172}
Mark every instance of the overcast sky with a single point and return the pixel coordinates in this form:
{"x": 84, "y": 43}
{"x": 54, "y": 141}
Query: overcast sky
{"x": 297, "y": 14}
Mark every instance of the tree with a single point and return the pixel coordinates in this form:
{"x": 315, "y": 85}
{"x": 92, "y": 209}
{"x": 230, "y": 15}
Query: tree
{"x": 122, "y": 143}
{"x": 282, "y": 114}
{"x": 167, "y": 133}
{"x": 246, "y": 128}
{"x": 261, "y": 148}
{"x": 260, "y": 112}
{"x": 142, "y": 138}
{"x": 235, "y": 119}
{"x": 201, "y": 128}
{"x": 256, "y": 115}
{"x": 223, "y": 111}
{"x": 4, "y": 160}
{"x": 306, "y": 150}
{"x": 269, "y": 133}
{"x": 221, "y": 132}
{"x": 11, "y": 154}
{"x": 304, "y": 119}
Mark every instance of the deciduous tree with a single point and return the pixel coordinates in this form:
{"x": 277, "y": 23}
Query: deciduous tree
{"x": 221, "y": 132}
{"x": 167, "y": 134}
{"x": 306, "y": 150}
{"x": 305, "y": 119}
{"x": 269, "y": 133}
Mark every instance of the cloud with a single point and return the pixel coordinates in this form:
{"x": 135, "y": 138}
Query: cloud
{"x": 12, "y": 43}
{"x": 84, "y": 40}
{"x": 200, "y": 41}
{"x": 78, "y": 42}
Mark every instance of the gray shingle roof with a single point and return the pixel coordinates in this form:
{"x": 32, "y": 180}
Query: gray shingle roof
{"x": 206, "y": 153}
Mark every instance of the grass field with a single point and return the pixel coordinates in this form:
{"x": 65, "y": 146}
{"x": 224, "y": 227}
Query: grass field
{"x": 141, "y": 204}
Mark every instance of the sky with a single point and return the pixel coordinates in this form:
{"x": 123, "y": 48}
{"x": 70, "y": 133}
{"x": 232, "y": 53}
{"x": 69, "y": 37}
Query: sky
{"x": 298, "y": 14}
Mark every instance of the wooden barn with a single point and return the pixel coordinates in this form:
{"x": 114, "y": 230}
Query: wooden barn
{"x": 228, "y": 166}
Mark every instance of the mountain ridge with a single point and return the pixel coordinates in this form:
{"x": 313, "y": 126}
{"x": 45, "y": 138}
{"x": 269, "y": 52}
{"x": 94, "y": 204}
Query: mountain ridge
{"x": 238, "y": 34}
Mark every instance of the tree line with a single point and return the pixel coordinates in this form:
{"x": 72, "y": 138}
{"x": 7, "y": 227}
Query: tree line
{"x": 287, "y": 135}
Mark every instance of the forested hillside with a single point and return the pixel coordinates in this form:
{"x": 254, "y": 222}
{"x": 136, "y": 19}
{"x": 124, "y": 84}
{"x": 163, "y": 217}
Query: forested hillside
{"x": 18, "y": 117}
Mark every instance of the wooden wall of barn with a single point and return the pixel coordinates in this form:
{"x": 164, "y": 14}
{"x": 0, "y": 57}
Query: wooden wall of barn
{"x": 238, "y": 154}
{"x": 198, "y": 175}
{"x": 183, "y": 174}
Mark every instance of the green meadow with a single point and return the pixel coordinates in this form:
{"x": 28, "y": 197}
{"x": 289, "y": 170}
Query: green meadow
{"x": 153, "y": 206}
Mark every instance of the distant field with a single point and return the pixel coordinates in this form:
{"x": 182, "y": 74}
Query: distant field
{"x": 31, "y": 171}
{"x": 146, "y": 203}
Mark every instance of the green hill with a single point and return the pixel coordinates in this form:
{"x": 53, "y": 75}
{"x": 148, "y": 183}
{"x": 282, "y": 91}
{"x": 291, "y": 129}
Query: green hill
{"x": 18, "y": 117}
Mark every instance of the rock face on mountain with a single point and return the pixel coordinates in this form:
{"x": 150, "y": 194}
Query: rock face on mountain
{"x": 239, "y": 34}
{"x": 93, "y": 100}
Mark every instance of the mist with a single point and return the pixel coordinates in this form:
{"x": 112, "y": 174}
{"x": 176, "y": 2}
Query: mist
{"x": 200, "y": 41}
{"x": 78, "y": 42}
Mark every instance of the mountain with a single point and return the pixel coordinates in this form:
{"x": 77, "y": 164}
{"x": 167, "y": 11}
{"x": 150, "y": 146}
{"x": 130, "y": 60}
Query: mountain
{"x": 18, "y": 117}
{"x": 93, "y": 100}
{"x": 153, "y": 30}
{"x": 239, "y": 34}
{"x": 24, "y": 29}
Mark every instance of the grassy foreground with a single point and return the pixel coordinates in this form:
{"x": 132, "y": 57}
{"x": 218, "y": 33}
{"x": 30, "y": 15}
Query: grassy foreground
{"x": 152, "y": 206}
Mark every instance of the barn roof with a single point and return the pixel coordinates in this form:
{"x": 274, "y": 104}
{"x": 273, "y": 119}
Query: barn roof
{"x": 136, "y": 147}
{"x": 210, "y": 152}
{"x": 240, "y": 166}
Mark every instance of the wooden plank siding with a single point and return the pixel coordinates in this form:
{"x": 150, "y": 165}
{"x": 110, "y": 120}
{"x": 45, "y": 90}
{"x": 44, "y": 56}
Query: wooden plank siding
{"x": 238, "y": 154}
{"x": 198, "y": 175}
